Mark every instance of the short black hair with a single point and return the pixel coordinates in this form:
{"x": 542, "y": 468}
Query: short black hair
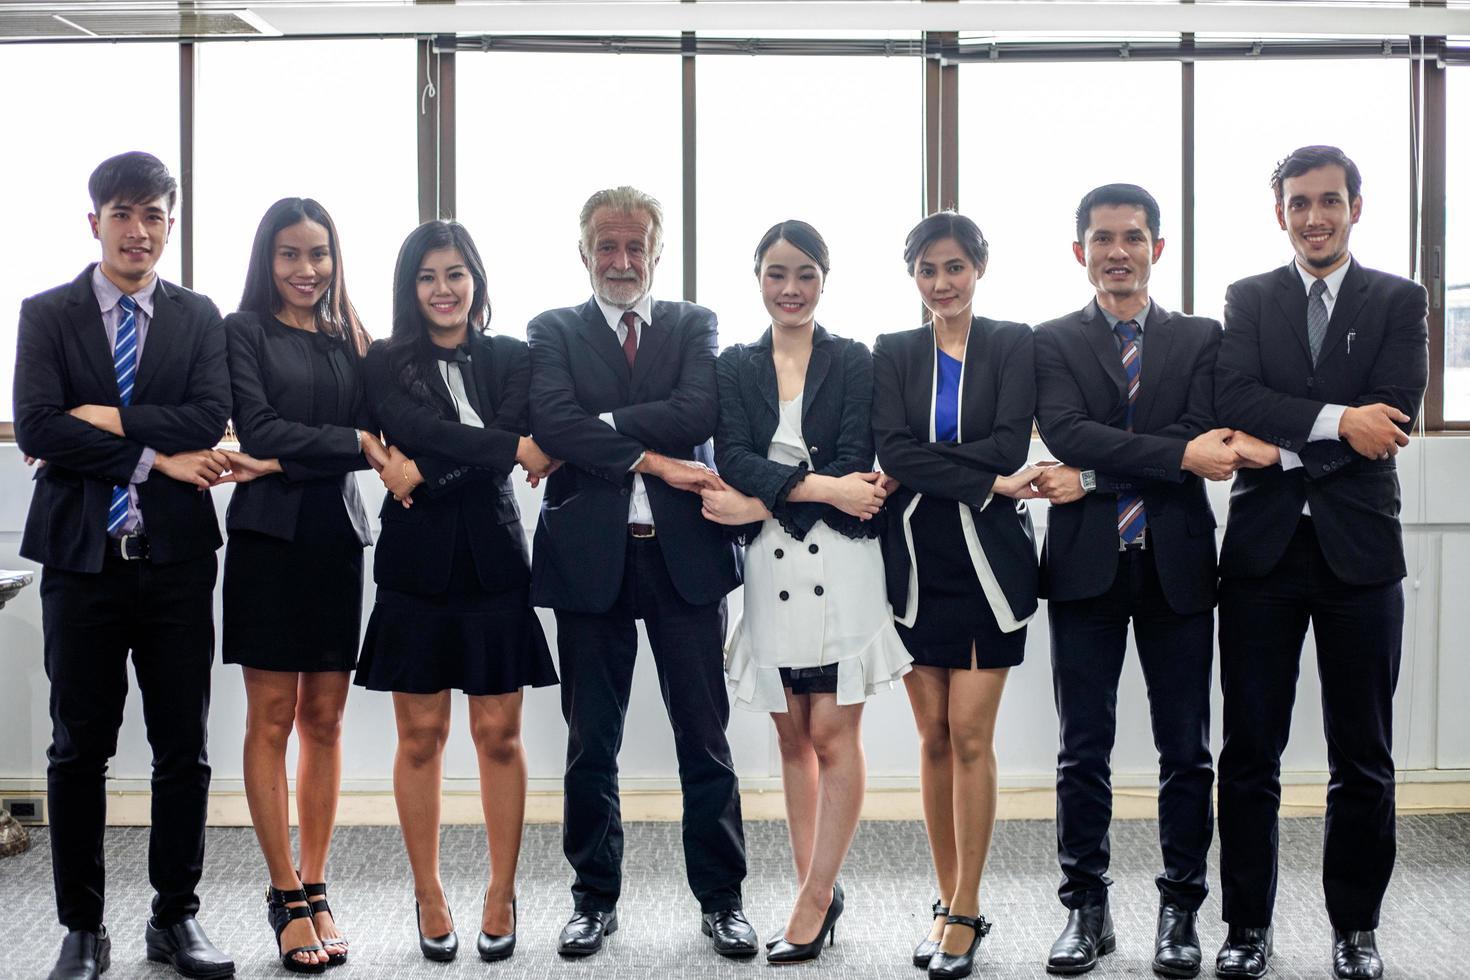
{"x": 1305, "y": 158}
{"x": 134, "y": 177}
{"x": 941, "y": 225}
{"x": 803, "y": 236}
{"x": 1114, "y": 194}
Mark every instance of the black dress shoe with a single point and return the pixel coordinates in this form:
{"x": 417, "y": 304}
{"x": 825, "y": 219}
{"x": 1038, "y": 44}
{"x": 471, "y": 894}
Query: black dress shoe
{"x": 492, "y": 948}
{"x": 440, "y": 949}
{"x": 1087, "y": 935}
{"x": 785, "y": 951}
{"x": 1244, "y": 953}
{"x": 84, "y": 956}
{"x": 953, "y": 966}
{"x": 730, "y": 932}
{"x": 1176, "y": 944}
{"x": 1355, "y": 955}
{"x": 927, "y": 947}
{"x": 186, "y": 948}
{"x": 584, "y": 932}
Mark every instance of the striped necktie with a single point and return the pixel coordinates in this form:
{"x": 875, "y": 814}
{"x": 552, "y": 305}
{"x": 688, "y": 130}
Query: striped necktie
{"x": 1316, "y": 318}
{"x": 1131, "y": 516}
{"x": 125, "y": 364}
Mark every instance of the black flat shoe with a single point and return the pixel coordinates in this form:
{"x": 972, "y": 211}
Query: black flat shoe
{"x": 584, "y": 932}
{"x": 1355, "y": 955}
{"x": 1176, "y": 944}
{"x": 440, "y": 949}
{"x": 280, "y": 912}
{"x": 84, "y": 956}
{"x": 730, "y": 933}
{"x": 948, "y": 966}
{"x": 1244, "y": 953}
{"x": 318, "y": 906}
{"x": 1087, "y": 935}
{"x": 788, "y": 952}
{"x": 186, "y": 948}
{"x": 928, "y": 947}
{"x": 492, "y": 948}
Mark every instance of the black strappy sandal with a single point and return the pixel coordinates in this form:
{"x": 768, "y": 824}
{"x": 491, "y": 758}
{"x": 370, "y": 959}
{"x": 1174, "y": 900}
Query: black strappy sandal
{"x": 318, "y": 906}
{"x": 280, "y": 914}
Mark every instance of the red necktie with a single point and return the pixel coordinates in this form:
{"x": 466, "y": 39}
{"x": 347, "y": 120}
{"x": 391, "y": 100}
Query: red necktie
{"x": 630, "y": 341}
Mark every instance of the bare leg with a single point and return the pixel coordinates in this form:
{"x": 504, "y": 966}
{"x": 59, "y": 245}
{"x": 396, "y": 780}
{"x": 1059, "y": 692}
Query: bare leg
{"x": 798, "y": 778}
{"x": 423, "y": 728}
{"x": 928, "y": 689}
{"x": 320, "y": 700}
{"x": 495, "y": 725}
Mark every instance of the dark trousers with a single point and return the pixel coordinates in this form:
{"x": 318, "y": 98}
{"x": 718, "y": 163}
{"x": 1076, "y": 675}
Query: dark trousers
{"x": 597, "y": 653}
{"x": 1359, "y": 633}
{"x": 163, "y": 614}
{"x": 1088, "y": 641}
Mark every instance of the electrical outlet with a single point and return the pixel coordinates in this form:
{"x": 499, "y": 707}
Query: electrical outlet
{"x": 25, "y": 809}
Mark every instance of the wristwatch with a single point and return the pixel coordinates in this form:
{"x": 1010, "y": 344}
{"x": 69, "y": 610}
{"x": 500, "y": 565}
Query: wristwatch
{"x": 1089, "y": 481}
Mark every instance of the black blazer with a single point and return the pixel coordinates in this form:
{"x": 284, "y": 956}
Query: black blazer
{"x": 1375, "y": 351}
{"x": 271, "y": 378}
{"x": 466, "y": 470}
{"x": 835, "y": 408}
{"x": 997, "y": 399}
{"x": 1080, "y": 409}
{"x": 181, "y": 402}
{"x": 667, "y": 404}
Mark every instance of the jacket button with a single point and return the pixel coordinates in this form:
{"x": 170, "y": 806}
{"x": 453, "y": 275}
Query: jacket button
{"x": 812, "y": 548}
{"x": 623, "y": 491}
{"x": 818, "y": 590}
{"x": 785, "y": 595}
{"x": 441, "y": 481}
{"x": 780, "y": 553}
{"x": 812, "y": 450}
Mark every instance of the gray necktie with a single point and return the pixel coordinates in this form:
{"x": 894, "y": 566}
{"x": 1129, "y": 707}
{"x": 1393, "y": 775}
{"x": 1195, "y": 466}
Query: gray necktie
{"x": 1316, "y": 318}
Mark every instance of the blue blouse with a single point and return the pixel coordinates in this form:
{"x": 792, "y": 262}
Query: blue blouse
{"x": 947, "y": 398}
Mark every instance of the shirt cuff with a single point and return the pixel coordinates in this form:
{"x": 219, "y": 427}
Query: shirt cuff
{"x": 1325, "y": 428}
{"x": 988, "y": 498}
{"x": 608, "y": 418}
{"x": 1291, "y": 460}
{"x": 144, "y": 467}
{"x": 636, "y": 462}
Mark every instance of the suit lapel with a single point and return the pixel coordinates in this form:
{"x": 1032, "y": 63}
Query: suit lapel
{"x": 604, "y": 341}
{"x": 1158, "y": 338}
{"x": 1345, "y": 310}
{"x": 651, "y": 340}
{"x": 1104, "y": 347}
{"x": 163, "y": 339}
{"x": 86, "y": 322}
{"x": 816, "y": 373}
{"x": 1291, "y": 297}
{"x": 971, "y": 374}
{"x": 764, "y": 367}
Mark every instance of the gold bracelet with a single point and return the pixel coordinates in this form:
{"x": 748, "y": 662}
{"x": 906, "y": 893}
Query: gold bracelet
{"x": 406, "y": 478}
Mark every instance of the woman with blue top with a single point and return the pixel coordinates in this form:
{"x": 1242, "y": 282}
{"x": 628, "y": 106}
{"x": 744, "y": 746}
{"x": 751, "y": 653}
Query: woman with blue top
{"x": 952, "y": 407}
{"x": 795, "y": 447}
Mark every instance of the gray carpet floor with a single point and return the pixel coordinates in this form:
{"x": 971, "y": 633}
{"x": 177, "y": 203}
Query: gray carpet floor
{"x": 886, "y": 879}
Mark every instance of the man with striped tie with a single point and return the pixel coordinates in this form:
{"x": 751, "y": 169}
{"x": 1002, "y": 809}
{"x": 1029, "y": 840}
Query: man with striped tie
{"x": 1125, "y": 399}
{"x": 121, "y": 391}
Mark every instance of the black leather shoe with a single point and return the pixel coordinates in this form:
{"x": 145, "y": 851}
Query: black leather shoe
{"x": 785, "y": 951}
{"x": 492, "y": 948}
{"x": 584, "y": 932}
{"x": 1355, "y": 955}
{"x": 440, "y": 949}
{"x": 729, "y": 932}
{"x": 1244, "y": 953}
{"x": 186, "y": 948}
{"x": 84, "y": 956}
{"x": 952, "y": 966}
{"x": 928, "y": 947}
{"x": 1176, "y": 944}
{"x": 1087, "y": 935}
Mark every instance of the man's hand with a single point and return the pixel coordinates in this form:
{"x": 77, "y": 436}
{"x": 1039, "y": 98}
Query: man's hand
{"x": 400, "y": 475}
{"x": 200, "y": 467}
{"x": 537, "y": 464}
{"x": 1253, "y": 453}
{"x": 1060, "y": 484}
{"x": 1371, "y": 431}
{"x": 1019, "y": 485}
{"x": 681, "y": 474}
{"x": 731, "y": 507}
{"x": 374, "y": 450}
{"x": 244, "y": 467}
{"x": 1209, "y": 455}
{"x": 104, "y": 417}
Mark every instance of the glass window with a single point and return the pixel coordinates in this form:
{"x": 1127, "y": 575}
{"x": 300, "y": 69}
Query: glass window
{"x": 1457, "y": 252}
{"x": 55, "y": 113}
{"x": 526, "y": 166}
{"x": 1034, "y": 138}
{"x": 833, "y": 142}
{"x": 1245, "y": 123}
{"x": 330, "y": 120}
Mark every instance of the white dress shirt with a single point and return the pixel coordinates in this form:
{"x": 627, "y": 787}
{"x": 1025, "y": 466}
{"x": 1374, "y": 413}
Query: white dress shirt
{"x": 639, "y": 510}
{"x": 1325, "y": 428}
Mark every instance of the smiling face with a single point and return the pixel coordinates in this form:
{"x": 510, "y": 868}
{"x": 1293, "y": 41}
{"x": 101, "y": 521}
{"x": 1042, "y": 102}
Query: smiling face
{"x": 301, "y": 266}
{"x": 132, "y": 237}
{"x": 1118, "y": 251}
{"x": 1318, "y": 217}
{"x": 445, "y": 292}
{"x": 946, "y": 277}
{"x": 621, "y": 261}
{"x": 791, "y": 285}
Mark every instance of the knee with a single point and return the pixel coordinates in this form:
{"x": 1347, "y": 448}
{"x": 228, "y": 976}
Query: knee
{"x": 794, "y": 744}
{"x": 833, "y": 745}
{"x": 934, "y": 742}
{"x": 421, "y": 744}
{"x": 320, "y": 725}
{"x": 971, "y": 746}
{"x": 496, "y": 742}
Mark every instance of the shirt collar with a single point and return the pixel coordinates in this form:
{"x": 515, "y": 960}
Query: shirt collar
{"x": 1333, "y": 279}
{"x": 614, "y": 314}
{"x": 108, "y": 295}
{"x": 1139, "y": 318}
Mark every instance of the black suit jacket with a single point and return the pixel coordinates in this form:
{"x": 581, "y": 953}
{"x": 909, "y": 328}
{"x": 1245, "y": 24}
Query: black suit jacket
{"x": 181, "y": 402}
{"x": 1080, "y": 410}
{"x": 835, "y": 404}
{"x": 996, "y": 404}
{"x": 667, "y": 404}
{"x": 271, "y": 379}
{"x": 1375, "y": 351}
{"x": 467, "y": 470}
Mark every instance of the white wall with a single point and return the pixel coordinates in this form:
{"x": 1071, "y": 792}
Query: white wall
{"x": 1432, "y": 736}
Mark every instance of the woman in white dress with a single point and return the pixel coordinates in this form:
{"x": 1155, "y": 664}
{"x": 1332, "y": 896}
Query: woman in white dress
{"x": 794, "y": 446}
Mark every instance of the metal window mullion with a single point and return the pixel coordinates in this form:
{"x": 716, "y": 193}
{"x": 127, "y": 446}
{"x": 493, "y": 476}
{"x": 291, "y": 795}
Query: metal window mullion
{"x": 188, "y": 91}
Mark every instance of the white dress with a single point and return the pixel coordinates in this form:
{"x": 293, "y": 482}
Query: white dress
{"x": 811, "y": 603}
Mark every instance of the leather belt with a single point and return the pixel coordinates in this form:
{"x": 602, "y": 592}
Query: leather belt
{"x": 641, "y": 531}
{"x": 129, "y": 547}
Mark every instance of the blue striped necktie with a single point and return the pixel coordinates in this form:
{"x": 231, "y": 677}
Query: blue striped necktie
{"x": 1131, "y": 516}
{"x": 125, "y": 363}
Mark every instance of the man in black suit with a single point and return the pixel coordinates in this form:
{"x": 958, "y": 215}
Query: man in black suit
{"x": 1323, "y": 363}
{"x": 121, "y": 388}
{"x": 1125, "y": 399}
{"x": 623, "y": 390}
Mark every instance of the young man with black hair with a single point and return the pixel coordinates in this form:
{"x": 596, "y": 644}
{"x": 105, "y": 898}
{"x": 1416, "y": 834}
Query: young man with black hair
{"x": 121, "y": 390}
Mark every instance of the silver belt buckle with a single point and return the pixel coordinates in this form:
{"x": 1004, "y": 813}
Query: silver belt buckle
{"x": 122, "y": 547}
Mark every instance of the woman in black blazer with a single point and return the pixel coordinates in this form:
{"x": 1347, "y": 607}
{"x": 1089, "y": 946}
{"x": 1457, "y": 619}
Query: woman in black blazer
{"x": 453, "y": 607}
{"x": 952, "y": 407}
{"x": 293, "y": 567}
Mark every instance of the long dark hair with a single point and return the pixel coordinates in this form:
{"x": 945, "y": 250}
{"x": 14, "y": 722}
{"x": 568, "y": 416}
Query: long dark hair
{"x": 335, "y": 314}
{"x": 409, "y": 343}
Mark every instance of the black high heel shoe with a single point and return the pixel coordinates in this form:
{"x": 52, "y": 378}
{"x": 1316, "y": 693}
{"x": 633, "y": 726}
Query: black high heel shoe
{"x": 492, "y": 948}
{"x": 784, "y": 951}
{"x": 280, "y": 915}
{"x": 440, "y": 949}
{"x": 926, "y": 949}
{"x": 947, "y": 966}
{"x": 318, "y": 906}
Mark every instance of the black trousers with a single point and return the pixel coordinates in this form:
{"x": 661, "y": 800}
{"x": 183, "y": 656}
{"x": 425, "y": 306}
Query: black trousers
{"x": 1088, "y": 640}
{"x": 163, "y": 614}
{"x": 1359, "y": 633}
{"x": 597, "y": 653}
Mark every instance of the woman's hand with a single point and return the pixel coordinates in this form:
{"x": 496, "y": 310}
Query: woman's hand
{"x": 400, "y": 475}
{"x": 889, "y": 484}
{"x": 858, "y": 494}
{"x": 537, "y": 464}
{"x": 244, "y": 468}
{"x": 1019, "y": 485}
{"x": 731, "y": 507}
